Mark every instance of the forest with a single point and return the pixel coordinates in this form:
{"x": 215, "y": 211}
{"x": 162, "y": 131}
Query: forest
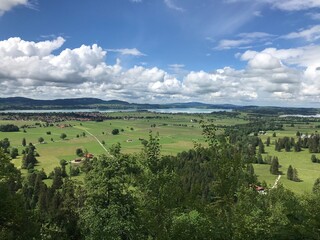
{"x": 207, "y": 192}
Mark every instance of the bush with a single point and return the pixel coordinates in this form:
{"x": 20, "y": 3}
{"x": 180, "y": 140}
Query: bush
{"x": 115, "y": 131}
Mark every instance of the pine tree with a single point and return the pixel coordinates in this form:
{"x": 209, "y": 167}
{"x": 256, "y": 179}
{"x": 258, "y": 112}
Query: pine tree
{"x": 261, "y": 147}
{"x": 316, "y": 186}
{"x": 268, "y": 142}
{"x": 295, "y": 176}
{"x": 274, "y": 168}
{"x": 290, "y": 173}
{"x": 24, "y": 142}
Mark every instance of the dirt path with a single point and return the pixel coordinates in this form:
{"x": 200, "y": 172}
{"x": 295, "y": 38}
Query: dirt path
{"x": 276, "y": 182}
{"x": 104, "y": 148}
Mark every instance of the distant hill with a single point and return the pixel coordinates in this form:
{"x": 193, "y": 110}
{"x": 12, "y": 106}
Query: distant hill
{"x": 21, "y": 103}
{"x": 69, "y": 103}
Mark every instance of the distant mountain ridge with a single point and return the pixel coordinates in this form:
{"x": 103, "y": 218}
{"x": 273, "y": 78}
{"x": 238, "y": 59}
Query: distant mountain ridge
{"x": 22, "y": 103}
{"x": 17, "y": 103}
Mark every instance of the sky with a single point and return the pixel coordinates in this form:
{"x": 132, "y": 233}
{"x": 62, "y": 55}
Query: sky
{"x": 244, "y": 52}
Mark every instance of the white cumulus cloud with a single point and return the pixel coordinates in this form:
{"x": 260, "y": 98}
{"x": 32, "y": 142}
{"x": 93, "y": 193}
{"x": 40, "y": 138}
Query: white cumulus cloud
{"x": 6, "y": 5}
{"x": 45, "y": 70}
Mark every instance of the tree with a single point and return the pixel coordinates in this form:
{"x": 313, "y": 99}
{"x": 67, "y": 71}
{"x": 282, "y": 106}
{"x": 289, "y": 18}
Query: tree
{"x": 63, "y": 164}
{"x": 268, "y": 142}
{"x": 14, "y": 153}
{"x": 261, "y": 147}
{"x": 115, "y": 149}
{"x": 192, "y": 225}
{"x": 274, "y": 168}
{"x": 316, "y": 186}
{"x": 24, "y": 143}
{"x": 9, "y": 128}
{"x": 29, "y": 159}
{"x": 40, "y": 140}
{"x": 110, "y": 210}
{"x": 79, "y": 152}
{"x": 5, "y": 144}
{"x": 314, "y": 159}
{"x": 290, "y": 173}
{"x": 115, "y": 131}
{"x": 57, "y": 180}
{"x": 63, "y": 136}
{"x": 295, "y": 176}
{"x": 274, "y": 134}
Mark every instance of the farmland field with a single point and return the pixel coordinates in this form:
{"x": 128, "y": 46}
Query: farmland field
{"x": 177, "y": 132}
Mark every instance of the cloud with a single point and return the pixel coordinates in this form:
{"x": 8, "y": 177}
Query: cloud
{"x": 176, "y": 66}
{"x": 285, "y": 5}
{"x": 7, "y": 5}
{"x": 16, "y": 47}
{"x": 294, "y": 5}
{"x": 310, "y": 34}
{"x": 128, "y": 51}
{"x": 45, "y": 70}
{"x": 314, "y": 16}
{"x": 257, "y": 13}
{"x": 264, "y": 61}
{"x": 229, "y": 44}
{"x": 244, "y": 40}
{"x": 170, "y": 4}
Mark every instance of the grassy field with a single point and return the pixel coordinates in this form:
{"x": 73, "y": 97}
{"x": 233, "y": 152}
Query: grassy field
{"x": 177, "y": 132}
{"x": 308, "y": 171}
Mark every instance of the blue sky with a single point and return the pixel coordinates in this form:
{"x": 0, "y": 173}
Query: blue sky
{"x": 262, "y": 52}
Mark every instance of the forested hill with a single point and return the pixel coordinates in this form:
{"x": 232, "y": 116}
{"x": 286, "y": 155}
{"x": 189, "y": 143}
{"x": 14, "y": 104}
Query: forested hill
{"x": 21, "y": 103}
{"x": 68, "y": 103}
{"x": 95, "y": 103}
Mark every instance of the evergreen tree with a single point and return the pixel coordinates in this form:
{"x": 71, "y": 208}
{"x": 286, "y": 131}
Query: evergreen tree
{"x": 295, "y": 176}
{"x": 316, "y": 186}
{"x": 259, "y": 159}
{"x": 274, "y": 168}
{"x": 63, "y": 164}
{"x": 24, "y": 143}
{"x": 261, "y": 147}
{"x": 57, "y": 180}
{"x": 29, "y": 159}
{"x": 268, "y": 142}
{"x": 290, "y": 173}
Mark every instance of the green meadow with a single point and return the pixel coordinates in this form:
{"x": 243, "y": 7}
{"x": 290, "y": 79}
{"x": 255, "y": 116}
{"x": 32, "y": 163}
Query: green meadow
{"x": 307, "y": 170}
{"x": 177, "y": 132}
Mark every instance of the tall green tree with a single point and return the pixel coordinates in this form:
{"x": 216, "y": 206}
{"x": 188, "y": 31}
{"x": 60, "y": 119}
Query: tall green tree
{"x": 109, "y": 211}
{"x": 290, "y": 172}
{"x": 274, "y": 168}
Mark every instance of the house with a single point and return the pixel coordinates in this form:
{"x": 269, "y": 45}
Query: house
{"x": 89, "y": 155}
